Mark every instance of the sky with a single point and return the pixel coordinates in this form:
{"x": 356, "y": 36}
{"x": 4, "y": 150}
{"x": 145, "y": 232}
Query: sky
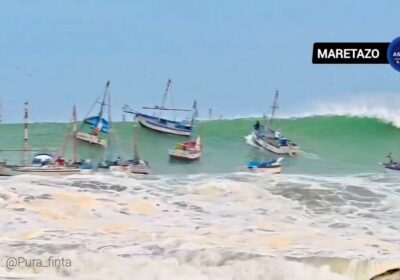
{"x": 228, "y": 55}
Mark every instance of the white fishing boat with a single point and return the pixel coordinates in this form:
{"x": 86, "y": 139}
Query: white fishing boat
{"x": 190, "y": 150}
{"x": 268, "y": 167}
{"x": 271, "y": 139}
{"x": 44, "y": 164}
{"x": 132, "y": 166}
{"x": 160, "y": 124}
{"x": 94, "y": 129}
{"x": 392, "y": 166}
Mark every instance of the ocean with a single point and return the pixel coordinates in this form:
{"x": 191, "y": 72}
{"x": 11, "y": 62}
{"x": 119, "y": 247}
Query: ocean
{"x": 332, "y": 214}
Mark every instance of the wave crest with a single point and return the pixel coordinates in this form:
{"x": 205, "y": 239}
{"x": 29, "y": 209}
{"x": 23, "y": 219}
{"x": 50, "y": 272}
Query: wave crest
{"x": 385, "y": 109}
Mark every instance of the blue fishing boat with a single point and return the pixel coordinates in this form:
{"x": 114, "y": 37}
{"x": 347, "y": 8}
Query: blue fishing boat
{"x": 158, "y": 123}
{"x": 94, "y": 129}
{"x": 270, "y": 167}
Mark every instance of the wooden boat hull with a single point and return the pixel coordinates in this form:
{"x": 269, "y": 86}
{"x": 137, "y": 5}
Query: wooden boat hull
{"x": 92, "y": 139}
{"x": 392, "y": 169}
{"x": 133, "y": 169}
{"x": 184, "y": 155}
{"x": 154, "y": 124}
{"x": 289, "y": 150}
{"x": 5, "y": 170}
{"x": 268, "y": 170}
{"x": 50, "y": 171}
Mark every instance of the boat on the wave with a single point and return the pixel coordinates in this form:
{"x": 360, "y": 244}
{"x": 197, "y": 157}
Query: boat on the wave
{"x": 270, "y": 138}
{"x": 269, "y": 167}
{"x": 133, "y": 166}
{"x": 392, "y": 166}
{"x": 94, "y": 129}
{"x": 45, "y": 164}
{"x": 190, "y": 150}
{"x": 160, "y": 124}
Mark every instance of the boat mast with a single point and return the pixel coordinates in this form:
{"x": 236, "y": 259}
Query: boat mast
{"x": 108, "y": 152}
{"x": 274, "y": 107}
{"x": 194, "y": 114}
{"x": 164, "y": 100}
{"x": 74, "y": 131}
{"x": 135, "y": 140}
{"x": 109, "y": 105}
{"x": 162, "y": 107}
{"x": 104, "y": 100}
{"x": 26, "y": 133}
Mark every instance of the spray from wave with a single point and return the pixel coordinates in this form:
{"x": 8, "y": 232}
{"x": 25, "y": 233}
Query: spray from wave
{"x": 384, "y": 108}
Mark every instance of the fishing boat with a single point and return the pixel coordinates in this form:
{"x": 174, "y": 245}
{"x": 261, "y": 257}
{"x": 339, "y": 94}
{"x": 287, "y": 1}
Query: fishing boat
{"x": 391, "y": 166}
{"x": 269, "y": 167}
{"x": 94, "y": 129}
{"x": 133, "y": 166}
{"x": 163, "y": 125}
{"x": 271, "y": 139}
{"x": 190, "y": 150}
{"x": 43, "y": 163}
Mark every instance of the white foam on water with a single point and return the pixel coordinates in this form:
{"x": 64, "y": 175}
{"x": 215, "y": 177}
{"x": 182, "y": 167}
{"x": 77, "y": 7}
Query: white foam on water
{"x": 202, "y": 226}
{"x": 250, "y": 141}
